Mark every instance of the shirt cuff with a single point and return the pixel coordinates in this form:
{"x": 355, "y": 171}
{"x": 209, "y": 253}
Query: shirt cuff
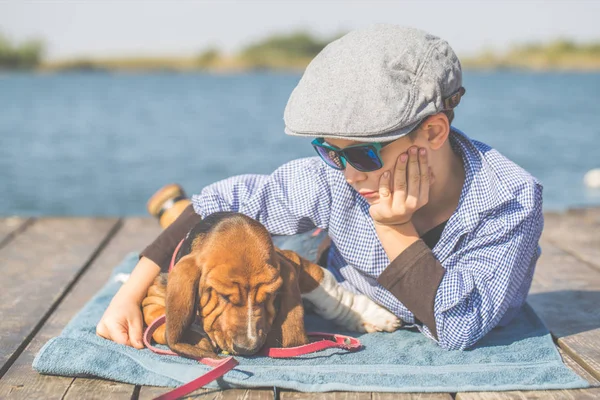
{"x": 413, "y": 278}
{"x": 161, "y": 250}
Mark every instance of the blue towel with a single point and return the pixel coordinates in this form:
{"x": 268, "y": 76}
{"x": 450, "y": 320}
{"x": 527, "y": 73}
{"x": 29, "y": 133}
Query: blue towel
{"x": 520, "y": 356}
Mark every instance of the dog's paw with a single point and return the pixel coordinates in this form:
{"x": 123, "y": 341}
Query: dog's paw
{"x": 381, "y": 321}
{"x": 374, "y": 318}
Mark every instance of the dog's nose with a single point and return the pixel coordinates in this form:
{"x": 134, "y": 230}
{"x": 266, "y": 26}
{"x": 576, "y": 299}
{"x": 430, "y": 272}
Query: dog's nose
{"x": 246, "y": 349}
{"x": 246, "y": 345}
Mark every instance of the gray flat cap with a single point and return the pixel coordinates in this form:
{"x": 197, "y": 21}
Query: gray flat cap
{"x": 374, "y": 84}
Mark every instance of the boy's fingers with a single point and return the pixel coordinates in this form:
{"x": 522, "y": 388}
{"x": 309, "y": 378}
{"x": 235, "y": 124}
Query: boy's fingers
{"x": 400, "y": 183}
{"x": 102, "y": 331}
{"x": 135, "y": 333}
{"x": 384, "y": 186}
{"x": 414, "y": 178}
{"x": 118, "y": 334}
{"x": 400, "y": 180}
{"x": 424, "y": 171}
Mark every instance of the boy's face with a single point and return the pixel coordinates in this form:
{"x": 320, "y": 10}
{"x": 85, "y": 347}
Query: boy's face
{"x": 367, "y": 183}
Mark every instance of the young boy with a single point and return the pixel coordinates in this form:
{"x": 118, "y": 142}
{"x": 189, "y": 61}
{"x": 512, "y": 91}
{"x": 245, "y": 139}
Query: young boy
{"x": 440, "y": 229}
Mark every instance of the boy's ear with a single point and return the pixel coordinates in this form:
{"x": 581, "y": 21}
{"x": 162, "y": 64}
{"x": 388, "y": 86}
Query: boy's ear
{"x": 437, "y": 129}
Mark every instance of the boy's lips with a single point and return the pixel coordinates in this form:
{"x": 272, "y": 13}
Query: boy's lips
{"x": 367, "y": 193}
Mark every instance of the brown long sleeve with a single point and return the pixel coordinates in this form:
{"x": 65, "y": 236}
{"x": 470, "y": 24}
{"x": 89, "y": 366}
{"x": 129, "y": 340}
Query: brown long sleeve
{"x": 161, "y": 249}
{"x": 414, "y": 277}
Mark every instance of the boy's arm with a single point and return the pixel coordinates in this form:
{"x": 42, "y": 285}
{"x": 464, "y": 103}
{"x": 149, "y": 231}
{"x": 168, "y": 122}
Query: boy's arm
{"x": 479, "y": 281}
{"x": 490, "y": 270}
{"x": 122, "y": 320}
{"x": 293, "y": 199}
{"x": 414, "y": 274}
{"x": 142, "y": 276}
{"x": 493, "y": 267}
{"x": 160, "y": 251}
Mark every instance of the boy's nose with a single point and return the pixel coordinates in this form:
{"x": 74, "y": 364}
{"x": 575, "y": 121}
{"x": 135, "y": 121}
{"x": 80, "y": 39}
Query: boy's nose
{"x": 353, "y": 175}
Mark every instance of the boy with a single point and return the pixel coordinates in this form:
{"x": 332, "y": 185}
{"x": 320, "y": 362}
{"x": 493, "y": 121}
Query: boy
{"x": 440, "y": 229}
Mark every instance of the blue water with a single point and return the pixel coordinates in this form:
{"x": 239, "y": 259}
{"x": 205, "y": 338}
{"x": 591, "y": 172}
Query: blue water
{"x": 101, "y": 144}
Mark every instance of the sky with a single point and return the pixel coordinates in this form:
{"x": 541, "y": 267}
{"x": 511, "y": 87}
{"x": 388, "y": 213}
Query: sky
{"x": 95, "y": 28}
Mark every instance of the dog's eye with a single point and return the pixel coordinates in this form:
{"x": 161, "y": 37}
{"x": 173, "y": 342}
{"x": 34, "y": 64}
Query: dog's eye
{"x": 224, "y": 297}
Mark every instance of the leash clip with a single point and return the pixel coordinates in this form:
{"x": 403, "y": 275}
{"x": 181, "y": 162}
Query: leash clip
{"x": 342, "y": 341}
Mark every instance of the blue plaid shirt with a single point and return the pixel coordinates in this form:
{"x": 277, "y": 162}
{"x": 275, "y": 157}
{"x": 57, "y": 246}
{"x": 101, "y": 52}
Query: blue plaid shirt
{"x": 488, "y": 248}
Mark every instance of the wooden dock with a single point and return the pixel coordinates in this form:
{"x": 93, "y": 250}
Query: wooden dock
{"x": 50, "y": 267}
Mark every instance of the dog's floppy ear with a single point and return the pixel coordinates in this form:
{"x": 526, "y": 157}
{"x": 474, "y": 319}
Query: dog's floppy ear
{"x": 288, "y": 326}
{"x": 181, "y": 306}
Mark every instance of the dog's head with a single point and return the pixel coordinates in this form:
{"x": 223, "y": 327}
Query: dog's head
{"x": 243, "y": 290}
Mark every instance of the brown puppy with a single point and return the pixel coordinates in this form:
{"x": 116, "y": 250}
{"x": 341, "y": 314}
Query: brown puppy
{"x": 231, "y": 289}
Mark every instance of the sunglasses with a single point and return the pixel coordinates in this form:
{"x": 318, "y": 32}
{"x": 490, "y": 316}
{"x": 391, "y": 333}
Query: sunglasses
{"x": 363, "y": 157}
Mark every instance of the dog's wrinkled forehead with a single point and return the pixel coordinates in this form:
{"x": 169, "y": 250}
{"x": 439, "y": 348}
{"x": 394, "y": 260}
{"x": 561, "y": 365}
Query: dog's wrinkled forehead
{"x": 239, "y": 250}
{"x": 237, "y": 245}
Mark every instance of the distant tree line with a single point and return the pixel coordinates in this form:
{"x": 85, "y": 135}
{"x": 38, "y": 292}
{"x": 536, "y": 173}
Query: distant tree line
{"x": 294, "y": 51}
{"x": 554, "y": 55}
{"x": 560, "y": 46}
{"x": 279, "y": 50}
{"x": 26, "y": 55}
{"x": 282, "y": 49}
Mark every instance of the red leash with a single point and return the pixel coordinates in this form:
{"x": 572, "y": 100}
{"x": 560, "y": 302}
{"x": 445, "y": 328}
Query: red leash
{"x": 172, "y": 264}
{"x": 222, "y": 366}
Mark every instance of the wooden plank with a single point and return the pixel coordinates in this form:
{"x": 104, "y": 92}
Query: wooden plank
{"x": 577, "y": 232}
{"x": 569, "y": 362}
{"x": 566, "y": 294}
{"x": 132, "y": 236}
{"x": 592, "y": 393}
{"x": 11, "y": 226}
{"x": 411, "y": 396}
{"x": 38, "y": 268}
{"x": 150, "y": 392}
{"x": 92, "y": 389}
{"x": 287, "y": 395}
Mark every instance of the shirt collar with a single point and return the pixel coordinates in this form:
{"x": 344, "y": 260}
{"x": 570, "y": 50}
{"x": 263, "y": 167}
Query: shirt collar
{"x": 482, "y": 190}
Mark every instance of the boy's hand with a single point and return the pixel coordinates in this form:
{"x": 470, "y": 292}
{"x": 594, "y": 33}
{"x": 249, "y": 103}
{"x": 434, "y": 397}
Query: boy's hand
{"x": 122, "y": 322}
{"x": 403, "y": 191}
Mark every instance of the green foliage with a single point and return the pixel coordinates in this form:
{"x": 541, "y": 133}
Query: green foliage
{"x": 25, "y": 56}
{"x": 81, "y": 64}
{"x": 208, "y": 57}
{"x": 283, "y": 49}
{"x": 558, "y": 47}
{"x": 562, "y": 54}
{"x": 295, "y": 50}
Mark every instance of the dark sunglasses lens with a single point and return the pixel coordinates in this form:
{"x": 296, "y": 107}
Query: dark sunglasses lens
{"x": 330, "y": 157}
{"x": 364, "y": 158}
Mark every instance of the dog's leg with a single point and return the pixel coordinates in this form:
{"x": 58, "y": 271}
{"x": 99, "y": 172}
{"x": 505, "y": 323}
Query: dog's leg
{"x": 153, "y": 306}
{"x": 202, "y": 348}
{"x": 352, "y": 311}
